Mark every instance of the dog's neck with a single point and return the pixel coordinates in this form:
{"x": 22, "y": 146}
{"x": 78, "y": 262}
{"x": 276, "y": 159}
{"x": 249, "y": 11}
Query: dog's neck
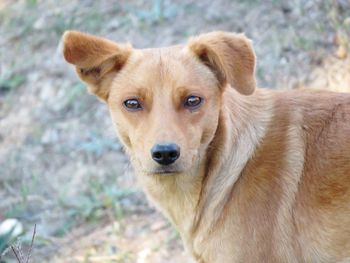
{"x": 177, "y": 196}
{"x": 242, "y": 125}
{"x": 192, "y": 201}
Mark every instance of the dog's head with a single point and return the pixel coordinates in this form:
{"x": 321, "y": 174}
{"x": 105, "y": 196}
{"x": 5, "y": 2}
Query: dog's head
{"x": 165, "y": 103}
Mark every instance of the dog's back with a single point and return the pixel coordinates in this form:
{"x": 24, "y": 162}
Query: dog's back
{"x": 323, "y": 199}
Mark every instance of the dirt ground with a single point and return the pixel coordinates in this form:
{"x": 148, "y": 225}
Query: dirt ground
{"x": 61, "y": 166}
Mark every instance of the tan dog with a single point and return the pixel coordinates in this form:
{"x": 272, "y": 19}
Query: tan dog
{"x": 245, "y": 174}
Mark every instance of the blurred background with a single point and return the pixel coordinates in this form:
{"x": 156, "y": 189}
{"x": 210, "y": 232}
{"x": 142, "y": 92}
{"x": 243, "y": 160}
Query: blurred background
{"x": 61, "y": 166}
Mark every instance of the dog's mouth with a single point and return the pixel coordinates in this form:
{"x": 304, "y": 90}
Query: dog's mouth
{"x": 165, "y": 171}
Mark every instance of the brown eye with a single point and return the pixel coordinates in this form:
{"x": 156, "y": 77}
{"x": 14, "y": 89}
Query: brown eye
{"x": 193, "y": 102}
{"x": 132, "y": 105}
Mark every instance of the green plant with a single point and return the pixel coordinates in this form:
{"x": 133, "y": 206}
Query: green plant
{"x": 98, "y": 144}
{"x": 10, "y": 80}
{"x": 157, "y": 13}
{"x": 92, "y": 22}
{"x": 5, "y": 241}
{"x": 32, "y": 3}
{"x": 74, "y": 92}
{"x": 63, "y": 23}
{"x": 99, "y": 199}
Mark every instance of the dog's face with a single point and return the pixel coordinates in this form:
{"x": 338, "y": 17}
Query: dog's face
{"x": 165, "y": 103}
{"x": 165, "y": 107}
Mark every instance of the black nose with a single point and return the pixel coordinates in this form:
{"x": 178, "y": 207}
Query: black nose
{"x": 166, "y": 153}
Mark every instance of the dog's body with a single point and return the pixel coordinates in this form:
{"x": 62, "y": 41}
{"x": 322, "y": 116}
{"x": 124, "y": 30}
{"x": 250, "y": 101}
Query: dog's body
{"x": 263, "y": 178}
{"x": 277, "y": 186}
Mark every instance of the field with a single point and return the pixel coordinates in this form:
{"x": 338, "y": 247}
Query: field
{"x": 61, "y": 166}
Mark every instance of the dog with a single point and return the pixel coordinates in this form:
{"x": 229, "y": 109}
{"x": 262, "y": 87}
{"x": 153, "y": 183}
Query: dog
{"x": 245, "y": 174}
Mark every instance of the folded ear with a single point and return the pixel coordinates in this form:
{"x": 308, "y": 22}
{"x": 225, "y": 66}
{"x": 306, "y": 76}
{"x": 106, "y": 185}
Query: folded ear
{"x": 230, "y": 56}
{"x": 97, "y": 60}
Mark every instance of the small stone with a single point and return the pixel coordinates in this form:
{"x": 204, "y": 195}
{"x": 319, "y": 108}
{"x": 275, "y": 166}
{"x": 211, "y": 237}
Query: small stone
{"x": 11, "y": 224}
{"x": 341, "y": 52}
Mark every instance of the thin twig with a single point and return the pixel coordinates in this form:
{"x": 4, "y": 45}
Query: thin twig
{"x": 18, "y": 247}
{"x": 14, "y": 252}
{"x": 31, "y": 245}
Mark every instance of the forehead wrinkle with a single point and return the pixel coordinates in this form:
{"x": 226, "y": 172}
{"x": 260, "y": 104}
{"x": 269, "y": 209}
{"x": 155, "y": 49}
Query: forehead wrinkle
{"x": 163, "y": 66}
{"x": 160, "y": 64}
{"x": 172, "y": 69}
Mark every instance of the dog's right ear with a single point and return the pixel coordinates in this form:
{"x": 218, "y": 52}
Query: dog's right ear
{"x": 97, "y": 60}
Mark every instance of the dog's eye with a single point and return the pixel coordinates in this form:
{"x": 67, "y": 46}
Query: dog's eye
{"x": 132, "y": 105}
{"x": 193, "y": 102}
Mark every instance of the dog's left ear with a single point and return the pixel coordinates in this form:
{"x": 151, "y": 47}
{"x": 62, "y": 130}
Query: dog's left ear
{"x": 229, "y": 56}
